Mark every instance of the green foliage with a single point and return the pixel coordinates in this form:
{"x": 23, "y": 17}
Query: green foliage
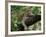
{"x": 36, "y": 10}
